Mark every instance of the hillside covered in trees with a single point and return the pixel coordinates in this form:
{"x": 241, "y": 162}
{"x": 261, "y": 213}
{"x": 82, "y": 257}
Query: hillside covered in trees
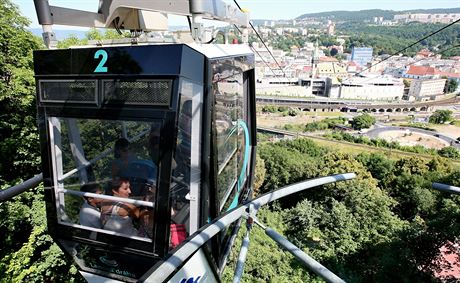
{"x": 387, "y": 225}
{"x": 388, "y": 40}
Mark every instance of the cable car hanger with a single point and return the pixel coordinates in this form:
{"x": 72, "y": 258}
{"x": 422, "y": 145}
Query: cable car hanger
{"x": 139, "y": 15}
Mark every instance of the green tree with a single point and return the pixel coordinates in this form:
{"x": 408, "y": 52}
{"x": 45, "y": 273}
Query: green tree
{"x": 266, "y": 261}
{"x": 270, "y": 109}
{"x": 449, "y": 152}
{"x": 363, "y": 121}
{"x": 19, "y": 146}
{"x": 259, "y": 175}
{"x": 378, "y": 165}
{"x": 441, "y": 116}
{"x": 334, "y": 52}
{"x": 451, "y": 86}
{"x": 284, "y": 166}
{"x": 406, "y": 83}
{"x": 355, "y": 227}
{"x": 92, "y": 34}
{"x": 72, "y": 40}
{"x": 27, "y": 253}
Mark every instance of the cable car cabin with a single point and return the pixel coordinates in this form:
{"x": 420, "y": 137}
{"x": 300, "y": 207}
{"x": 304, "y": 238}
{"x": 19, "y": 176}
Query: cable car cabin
{"x": 141, "y": 146}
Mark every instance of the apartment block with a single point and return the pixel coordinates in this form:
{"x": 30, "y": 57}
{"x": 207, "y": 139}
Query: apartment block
{"x": 426, "y": 89}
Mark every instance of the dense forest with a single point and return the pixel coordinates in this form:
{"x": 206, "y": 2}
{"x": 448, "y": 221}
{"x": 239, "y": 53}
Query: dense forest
{"x": 387, "y": 225}
{"x": 389, "y": 40}
{"x": 383, "y": 39}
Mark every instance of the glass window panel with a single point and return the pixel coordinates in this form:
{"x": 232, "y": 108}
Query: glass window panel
{"x": 105, "y": 174}
{"x": 228, "y": 110}
{"x": 185, "y": 187}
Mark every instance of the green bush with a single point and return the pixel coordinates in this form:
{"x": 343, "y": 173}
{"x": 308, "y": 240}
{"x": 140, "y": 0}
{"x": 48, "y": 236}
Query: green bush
{"x": 449, "y": 152}
{"x": 269, "y": 109}
{"x": 441, "y": 116}
{"x": 363, "y": 121}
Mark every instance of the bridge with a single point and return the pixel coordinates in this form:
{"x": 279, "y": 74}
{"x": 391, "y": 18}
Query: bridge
{"x": 316, "y": 105}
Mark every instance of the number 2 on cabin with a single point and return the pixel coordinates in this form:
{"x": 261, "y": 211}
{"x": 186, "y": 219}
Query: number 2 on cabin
{"x": 100, "y": 67}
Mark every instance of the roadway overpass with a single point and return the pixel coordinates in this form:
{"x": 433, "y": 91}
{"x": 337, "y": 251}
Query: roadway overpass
{"x": 334, "y": 105}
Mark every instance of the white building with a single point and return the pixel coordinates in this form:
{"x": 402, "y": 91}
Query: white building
{"x": 427, "y": 18}
{"x": 426, "y": 89}
{"x": 279, "y": 86}
{"x": 378, "y": 88}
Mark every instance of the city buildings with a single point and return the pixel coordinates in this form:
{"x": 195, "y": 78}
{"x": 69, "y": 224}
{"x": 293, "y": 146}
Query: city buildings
{"x": 330, "y": 28}
{"x": 373, "y": 88}
{"x": 361, "y": 55}
{"x": 426, "y": 89}
{"x": 420, "y": 72}
{"x": 305, "y": 70}
{"x": 427, "y": 18}
{"x": 331, "y": 70}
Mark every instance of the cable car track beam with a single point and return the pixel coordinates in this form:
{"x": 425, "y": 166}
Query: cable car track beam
{"x": 11, "y": 192}
{"x": 165, "y": 269}
{"x": 446, "y": 188}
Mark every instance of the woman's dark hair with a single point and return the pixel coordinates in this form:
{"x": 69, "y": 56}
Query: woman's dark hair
{"x": 116, "y": 183}
{"x": 120, "y": 144}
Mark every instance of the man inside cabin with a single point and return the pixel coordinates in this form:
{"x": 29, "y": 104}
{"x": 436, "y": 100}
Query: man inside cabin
{"x": 90, "y": 212}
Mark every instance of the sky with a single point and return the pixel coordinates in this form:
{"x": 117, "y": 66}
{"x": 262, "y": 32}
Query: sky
{"x": 267, "y": 9}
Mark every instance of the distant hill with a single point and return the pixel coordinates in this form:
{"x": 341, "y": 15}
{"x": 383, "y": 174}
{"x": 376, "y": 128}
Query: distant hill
{"x": 80, "y": 34}
{"x": 61, "y": 34}
{"x": 369, "y": 14}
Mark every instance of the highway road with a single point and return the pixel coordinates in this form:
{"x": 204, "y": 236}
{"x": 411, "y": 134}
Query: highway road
{"x": 374, "y": 133}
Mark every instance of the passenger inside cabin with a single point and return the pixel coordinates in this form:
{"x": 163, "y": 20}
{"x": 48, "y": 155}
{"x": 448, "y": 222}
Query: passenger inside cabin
{"x": 154, "y": 144}
{"x": 119, "y": 216}
{"x": 90, "y": 213}
{"x": 123, "y": 157}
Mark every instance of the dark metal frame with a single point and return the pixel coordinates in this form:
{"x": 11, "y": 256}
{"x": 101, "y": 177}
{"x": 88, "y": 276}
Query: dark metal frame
{"x": 168, "y": 115}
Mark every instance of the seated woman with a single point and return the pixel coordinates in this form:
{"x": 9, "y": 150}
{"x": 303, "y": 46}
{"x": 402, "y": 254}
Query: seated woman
{"x": 119, "y": 216}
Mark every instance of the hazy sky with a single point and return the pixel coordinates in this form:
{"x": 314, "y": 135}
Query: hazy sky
{"x": 268, "y": 9}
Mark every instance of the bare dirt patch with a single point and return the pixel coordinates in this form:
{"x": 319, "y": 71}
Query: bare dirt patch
{"x": 278, "y": 120}
{"x": 409, "y": 138}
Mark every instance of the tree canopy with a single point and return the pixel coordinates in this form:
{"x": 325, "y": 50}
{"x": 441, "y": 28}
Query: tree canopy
{"x": 363, "y": 121}
{"x": 19, "y": 147}
{"x": 441, "y": 116}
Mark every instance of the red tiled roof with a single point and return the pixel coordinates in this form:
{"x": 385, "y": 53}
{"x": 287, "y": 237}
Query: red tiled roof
{"x": 421, "y": 71}
{"x": 328, "y": 59}
{"x": 353, "y": 64}
{"x": 449, "y": 75}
